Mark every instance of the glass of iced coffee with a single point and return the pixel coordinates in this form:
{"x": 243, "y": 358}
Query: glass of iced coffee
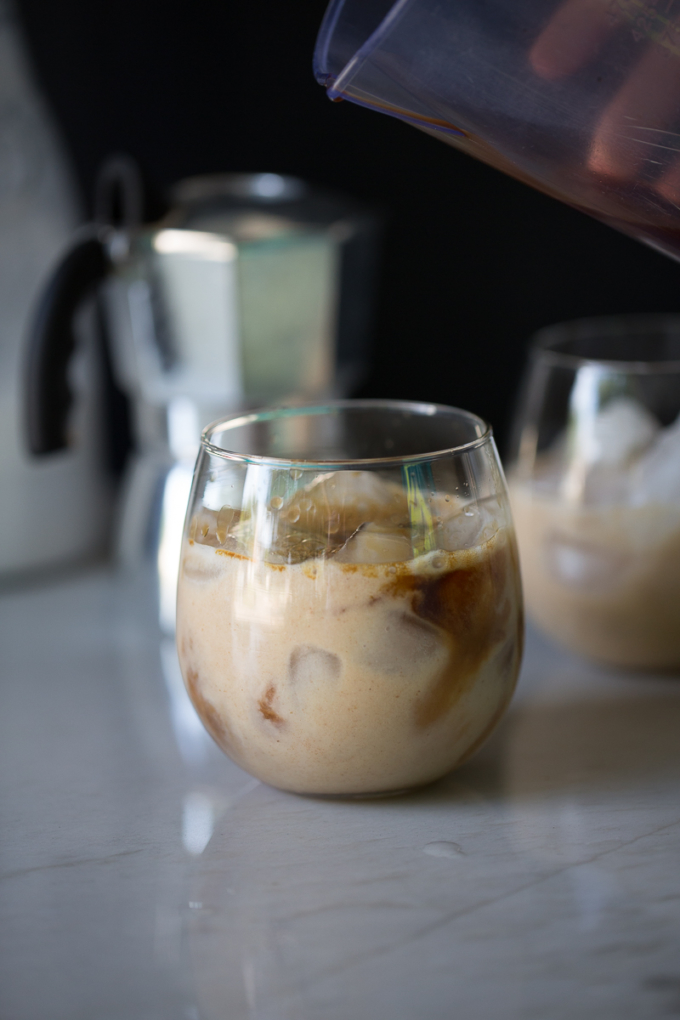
{"x": 595, "y": 488}
{"x": 349, "y": 605}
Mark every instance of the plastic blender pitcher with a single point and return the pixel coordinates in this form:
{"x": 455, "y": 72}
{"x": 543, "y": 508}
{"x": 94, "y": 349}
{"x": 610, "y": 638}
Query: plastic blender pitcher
{"x": 579, "y": 98}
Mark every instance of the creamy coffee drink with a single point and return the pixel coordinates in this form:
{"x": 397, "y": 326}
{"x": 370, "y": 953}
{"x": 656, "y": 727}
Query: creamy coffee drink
{"x": 598, "y": 527}
{"x": 371, "y": 663}
{"x": 603, "y": 580}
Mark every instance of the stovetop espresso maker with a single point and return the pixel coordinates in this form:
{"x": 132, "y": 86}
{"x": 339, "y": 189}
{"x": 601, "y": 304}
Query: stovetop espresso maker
{"x": 253, "y": 289}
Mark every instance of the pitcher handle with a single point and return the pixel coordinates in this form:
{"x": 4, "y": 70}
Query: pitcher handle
{"x": 51, "y": 340}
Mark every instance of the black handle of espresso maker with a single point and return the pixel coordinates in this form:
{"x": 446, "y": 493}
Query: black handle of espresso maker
{"x": 51, "y": 341}
{"x": 118, "y": 204}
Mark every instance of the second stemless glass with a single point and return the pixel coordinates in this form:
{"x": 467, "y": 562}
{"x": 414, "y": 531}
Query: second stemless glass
{"x": 349, "y": 607}
{"x": 595, "y": 487}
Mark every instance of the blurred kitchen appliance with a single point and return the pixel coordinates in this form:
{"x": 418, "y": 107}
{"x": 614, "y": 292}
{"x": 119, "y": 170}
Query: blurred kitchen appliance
{"x": 253, "y": 289}
{"x": 51, "y": 509}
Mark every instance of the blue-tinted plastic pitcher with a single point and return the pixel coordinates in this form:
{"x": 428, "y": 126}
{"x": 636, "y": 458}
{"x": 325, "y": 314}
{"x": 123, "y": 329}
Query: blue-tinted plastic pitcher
{"x": 579, "y": 98}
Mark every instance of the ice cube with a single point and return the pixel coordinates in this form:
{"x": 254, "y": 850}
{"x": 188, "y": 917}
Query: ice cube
{"x": 581, "y": 564}
{"x": 474, "y": 524}
{"x": 405, "y": 645}
{"x": 201, "y": 564}
{"x": 340, "y": 502}
{"x": 620, "y": 430}
{"x": 203, "y": 526}
{"x": 227, "y": 520}
{"x": 372, "y": 544}
{"x": 294, "y": 546}
{"x": 656, "y": 477}
{"x": 216, "y": 528}
{"x": 309, "y": 665}
{"x": 601, "y": 444}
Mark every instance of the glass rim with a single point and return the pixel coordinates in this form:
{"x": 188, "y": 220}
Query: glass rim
{"x": 423, "y": 408}
{"x": 546, "y": 342}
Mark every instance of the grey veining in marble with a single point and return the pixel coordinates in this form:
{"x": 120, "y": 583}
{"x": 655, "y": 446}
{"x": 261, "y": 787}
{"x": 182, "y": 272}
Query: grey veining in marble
{"x": 143, "y": 876}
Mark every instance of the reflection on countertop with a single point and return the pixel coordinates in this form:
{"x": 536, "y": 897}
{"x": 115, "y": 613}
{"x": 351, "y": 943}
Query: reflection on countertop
{"x": 143, "y": 875}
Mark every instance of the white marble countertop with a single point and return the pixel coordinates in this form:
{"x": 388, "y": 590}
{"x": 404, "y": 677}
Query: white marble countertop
{"x": 145, "y": 877}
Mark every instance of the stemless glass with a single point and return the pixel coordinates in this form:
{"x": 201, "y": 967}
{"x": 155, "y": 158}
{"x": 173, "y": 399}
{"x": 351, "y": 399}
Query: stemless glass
{"x": 349, "y": 604}
{"x": 595, "y": 488}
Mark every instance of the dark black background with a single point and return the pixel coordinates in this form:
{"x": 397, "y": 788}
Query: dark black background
{"x": 473, "y": 262}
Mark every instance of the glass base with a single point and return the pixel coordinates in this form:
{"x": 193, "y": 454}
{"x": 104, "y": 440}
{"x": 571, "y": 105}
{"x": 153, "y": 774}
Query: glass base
{"x": 370, "y": 795}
